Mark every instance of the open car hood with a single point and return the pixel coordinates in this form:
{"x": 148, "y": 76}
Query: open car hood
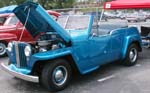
{"x": 39, "y": 20}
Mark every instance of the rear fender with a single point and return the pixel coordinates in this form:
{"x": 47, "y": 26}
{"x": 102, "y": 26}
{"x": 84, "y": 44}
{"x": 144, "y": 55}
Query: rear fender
{"x": 128, "y": 41}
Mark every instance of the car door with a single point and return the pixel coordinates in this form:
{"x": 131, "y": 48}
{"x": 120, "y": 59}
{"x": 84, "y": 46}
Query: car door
{"x": 92, "y": 52}
{"x": 99, "y": 49}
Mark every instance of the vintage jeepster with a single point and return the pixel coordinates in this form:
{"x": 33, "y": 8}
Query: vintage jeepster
{"x": 72, "y": 43}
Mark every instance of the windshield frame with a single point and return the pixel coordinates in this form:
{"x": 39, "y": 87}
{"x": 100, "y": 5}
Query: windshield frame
{"x": 64, "y": 25}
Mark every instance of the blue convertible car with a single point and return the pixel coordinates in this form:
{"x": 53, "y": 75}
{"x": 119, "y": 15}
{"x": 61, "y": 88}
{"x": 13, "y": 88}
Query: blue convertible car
{"x": 74, "y": 42}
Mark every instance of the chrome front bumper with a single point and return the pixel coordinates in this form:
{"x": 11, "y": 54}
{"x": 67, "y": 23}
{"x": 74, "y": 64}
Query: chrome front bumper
{"x": 20, "y": 75}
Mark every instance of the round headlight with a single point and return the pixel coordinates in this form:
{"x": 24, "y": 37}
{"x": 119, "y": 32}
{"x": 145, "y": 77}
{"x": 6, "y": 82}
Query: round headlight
{"x": 27, "y": 50}
{"x": 9, "y": 47}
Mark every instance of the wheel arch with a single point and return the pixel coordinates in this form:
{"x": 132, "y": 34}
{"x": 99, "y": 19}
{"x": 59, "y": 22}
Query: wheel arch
{"x": 138, "y": 45}
{"x": 3, "y": 41}
{"x": 127, "y": 45}
{"x": 38, "y": 66}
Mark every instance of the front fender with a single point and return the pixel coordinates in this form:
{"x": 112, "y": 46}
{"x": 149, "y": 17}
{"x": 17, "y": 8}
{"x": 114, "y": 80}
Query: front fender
{"x": 49, "y": 55}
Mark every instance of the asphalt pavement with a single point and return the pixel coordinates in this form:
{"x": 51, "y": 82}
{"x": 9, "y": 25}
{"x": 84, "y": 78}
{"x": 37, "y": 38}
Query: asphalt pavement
{"x": 111, "y": 78}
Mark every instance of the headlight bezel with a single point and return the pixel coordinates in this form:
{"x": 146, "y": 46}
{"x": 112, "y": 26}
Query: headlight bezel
{"x": 27, "y": 50}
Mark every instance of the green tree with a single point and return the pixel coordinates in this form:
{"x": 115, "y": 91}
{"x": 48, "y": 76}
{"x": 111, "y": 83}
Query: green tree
{"x": 19, "y": 1}
{"x": 48, "y": 4}
{"x": 6, "y": 2}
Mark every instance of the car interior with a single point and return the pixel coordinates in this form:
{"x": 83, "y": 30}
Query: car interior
{"x": 145, "y": 35}
{"x": 106, "y": 28}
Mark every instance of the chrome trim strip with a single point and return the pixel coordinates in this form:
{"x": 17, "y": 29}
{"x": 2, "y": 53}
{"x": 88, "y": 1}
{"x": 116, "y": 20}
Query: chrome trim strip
{"x": 8, "y": 38}
{"x": 30, "y": 78}
{"x": 17, "y": 54}
{"x": 7, "y": 30}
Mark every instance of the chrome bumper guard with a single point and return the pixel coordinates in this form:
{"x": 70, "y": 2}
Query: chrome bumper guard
{"x": 20, "y": 75}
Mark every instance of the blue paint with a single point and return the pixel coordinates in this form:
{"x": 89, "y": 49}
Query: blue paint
{"x": 49, "y": 55}
{"x": 39, "y": 21}
{"x": 131, "y": 35}
{"x": 20, "y": 70}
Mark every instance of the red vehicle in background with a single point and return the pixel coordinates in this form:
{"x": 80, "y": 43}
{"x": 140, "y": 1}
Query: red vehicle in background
{"x": 3, "y": 18}
{"x": 12, "y": 30}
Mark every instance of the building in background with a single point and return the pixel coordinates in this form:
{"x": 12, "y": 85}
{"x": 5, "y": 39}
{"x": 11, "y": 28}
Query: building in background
{"x": 88, "y": 3}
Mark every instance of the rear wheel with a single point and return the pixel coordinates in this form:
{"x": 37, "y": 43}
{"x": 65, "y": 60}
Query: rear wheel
{"x": 131, "y": 56}
{"x": 2, "y": 49}
{"x": 56, "y": 75}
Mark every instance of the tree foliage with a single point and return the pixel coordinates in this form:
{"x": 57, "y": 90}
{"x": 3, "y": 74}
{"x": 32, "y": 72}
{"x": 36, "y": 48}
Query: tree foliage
{"x": 48, "y": 4}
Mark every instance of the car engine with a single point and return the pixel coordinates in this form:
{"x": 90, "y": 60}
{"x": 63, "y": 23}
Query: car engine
{"x": 49, "y": 41}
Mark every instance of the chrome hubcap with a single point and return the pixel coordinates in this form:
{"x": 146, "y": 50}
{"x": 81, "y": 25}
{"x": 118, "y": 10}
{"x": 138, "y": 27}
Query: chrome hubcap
{"x": 2, "y": 49}
{"x": 60, "y": 75}
{"x": 133, "y": 55}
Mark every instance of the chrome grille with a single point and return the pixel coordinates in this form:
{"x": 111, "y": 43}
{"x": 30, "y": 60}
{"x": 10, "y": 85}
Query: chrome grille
{"x": 21, "y": 60}
{"x": 17, "y": 54}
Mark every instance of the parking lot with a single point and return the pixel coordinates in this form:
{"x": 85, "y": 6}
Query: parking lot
{"x": 111, "y": 78}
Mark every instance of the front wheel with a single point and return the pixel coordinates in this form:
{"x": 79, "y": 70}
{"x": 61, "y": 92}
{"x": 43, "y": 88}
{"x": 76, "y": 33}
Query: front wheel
{"x": 56, "y": 75}
{"x": 2, "y": 49}
{"x": 131, "y": 56}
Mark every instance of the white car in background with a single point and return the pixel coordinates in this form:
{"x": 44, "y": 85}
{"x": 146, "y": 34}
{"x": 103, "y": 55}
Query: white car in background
{"x": 136, "y": 17}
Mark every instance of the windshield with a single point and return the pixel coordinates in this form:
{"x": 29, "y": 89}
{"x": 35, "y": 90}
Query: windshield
{"x": 76, "y": 22}
{"x": 12, "y": 20}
